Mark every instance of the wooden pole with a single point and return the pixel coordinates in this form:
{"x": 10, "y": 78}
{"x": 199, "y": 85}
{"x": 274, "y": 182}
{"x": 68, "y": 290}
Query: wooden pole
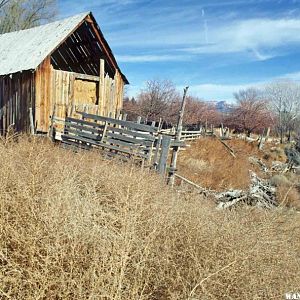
{"x": 32, "y": 127}
{"x": 267, "y": 134}
{"x": 101, "y": 100}
{"x": 52, "y": 130}
{"x": 177, "y": 138}
{"x": 160, "y": 123}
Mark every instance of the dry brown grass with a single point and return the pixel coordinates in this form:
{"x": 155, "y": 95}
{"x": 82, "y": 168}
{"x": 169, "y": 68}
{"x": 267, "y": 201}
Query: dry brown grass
{"x": 74, "y": 226}
{"x": 288, "y": 189}
{"x": 274, "y": 153}
{"x": 222, "y": 171}
{"x": 219, "y": 170}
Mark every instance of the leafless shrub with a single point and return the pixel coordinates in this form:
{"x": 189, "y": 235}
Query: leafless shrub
{"x": 75, "y": 226}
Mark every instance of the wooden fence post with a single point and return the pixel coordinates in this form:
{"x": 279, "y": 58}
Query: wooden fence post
{"x": 160, "y": 124}
{"x": 155, "y": 158}
{"x": 177, "y": 138}
{"x": 165, "y": 146}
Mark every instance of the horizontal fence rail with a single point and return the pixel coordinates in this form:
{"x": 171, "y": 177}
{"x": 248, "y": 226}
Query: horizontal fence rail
{"x": 187, "y": 135}
{"x": 146, "y": 143}
{"x": 112, "y": 134}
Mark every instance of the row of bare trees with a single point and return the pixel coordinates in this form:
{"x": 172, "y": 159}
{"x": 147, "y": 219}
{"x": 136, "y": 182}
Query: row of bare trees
{"x": 276, "y": 105}
{"x": 161, "y": 100}
{"x": 23, "y": 14}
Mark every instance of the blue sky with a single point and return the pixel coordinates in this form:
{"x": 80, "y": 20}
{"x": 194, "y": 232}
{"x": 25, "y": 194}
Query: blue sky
{"x": 215, "y": 46}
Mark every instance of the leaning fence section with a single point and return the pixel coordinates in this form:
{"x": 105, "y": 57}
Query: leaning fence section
{"x": 129, "y": 139}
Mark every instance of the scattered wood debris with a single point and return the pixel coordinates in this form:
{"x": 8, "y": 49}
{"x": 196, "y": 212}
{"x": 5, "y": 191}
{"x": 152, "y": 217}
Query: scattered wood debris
{"x": 257, "y": 161}
{"x": 261, "y": 194}
{"x": 279, "y": 167}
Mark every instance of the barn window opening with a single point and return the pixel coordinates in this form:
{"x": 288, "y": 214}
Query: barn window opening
{"x": 81, "y": 53}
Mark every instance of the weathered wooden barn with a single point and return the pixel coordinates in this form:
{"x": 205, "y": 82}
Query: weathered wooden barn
{"x": 57, "y": 68}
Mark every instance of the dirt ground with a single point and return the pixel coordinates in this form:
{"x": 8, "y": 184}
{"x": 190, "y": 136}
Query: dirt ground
{"x": 208, "y": 163}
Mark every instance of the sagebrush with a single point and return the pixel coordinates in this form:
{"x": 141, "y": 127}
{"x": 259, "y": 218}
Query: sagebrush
{"x": 77, "y": 226}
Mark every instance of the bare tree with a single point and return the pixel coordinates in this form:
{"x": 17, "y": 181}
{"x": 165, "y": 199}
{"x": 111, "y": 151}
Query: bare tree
{"x": 200, "y": 112}
{"x": 160, "y": 99}
{"x": 131, "y": 108}
{"x": 3, "y": 2}
{"x": 251, "y": 112}
{"x": 284, "y": 97}
{"x": 156, "y": 100}
{"x": 23, "y": 14}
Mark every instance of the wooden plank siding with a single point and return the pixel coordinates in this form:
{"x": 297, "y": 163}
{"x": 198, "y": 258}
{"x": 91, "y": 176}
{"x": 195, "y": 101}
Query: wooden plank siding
{"x": 43, "y": 84}
{"x": 71, "y": 92}
{"x": 46, "y": 88}
{"x": 17, "y": 94}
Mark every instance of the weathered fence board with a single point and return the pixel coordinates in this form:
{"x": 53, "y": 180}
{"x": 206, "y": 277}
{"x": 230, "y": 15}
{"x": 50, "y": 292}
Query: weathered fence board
{"x": 127, "y": 124}
{"x": 113, "y": 134}
{"x": 119, "y": 137}
{"x": 165, "y": 147}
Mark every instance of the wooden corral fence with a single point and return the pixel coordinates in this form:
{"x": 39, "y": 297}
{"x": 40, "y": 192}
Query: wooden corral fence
{"x": 116, "y": 136}
{"x": 189, "y": 135}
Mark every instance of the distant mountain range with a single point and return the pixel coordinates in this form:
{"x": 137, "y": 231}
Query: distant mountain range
{"x": 222, "y": 106}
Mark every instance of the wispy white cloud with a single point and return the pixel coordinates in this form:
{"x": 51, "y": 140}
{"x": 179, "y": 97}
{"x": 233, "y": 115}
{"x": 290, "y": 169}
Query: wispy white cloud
{"x": 210, "y": 91}
{"x": 148, "y": 25}
{"x": 262, "y": 38}
{"x": 262, "y": 56}
{"x": 151, "y": 58}
{"x": 250, "y": 35}
{"x": 205, "y": 25}
{"x": 292, "y": 76}
{"x": 69, "y": 7}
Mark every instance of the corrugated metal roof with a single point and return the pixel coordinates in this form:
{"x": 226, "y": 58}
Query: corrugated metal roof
{"x": 26, "y": 49}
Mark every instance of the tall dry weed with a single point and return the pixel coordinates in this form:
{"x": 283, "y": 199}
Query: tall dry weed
{"x": 75, "y": 226}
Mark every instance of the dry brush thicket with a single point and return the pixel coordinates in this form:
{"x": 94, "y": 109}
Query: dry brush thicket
{"x": 76, "y": 226}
